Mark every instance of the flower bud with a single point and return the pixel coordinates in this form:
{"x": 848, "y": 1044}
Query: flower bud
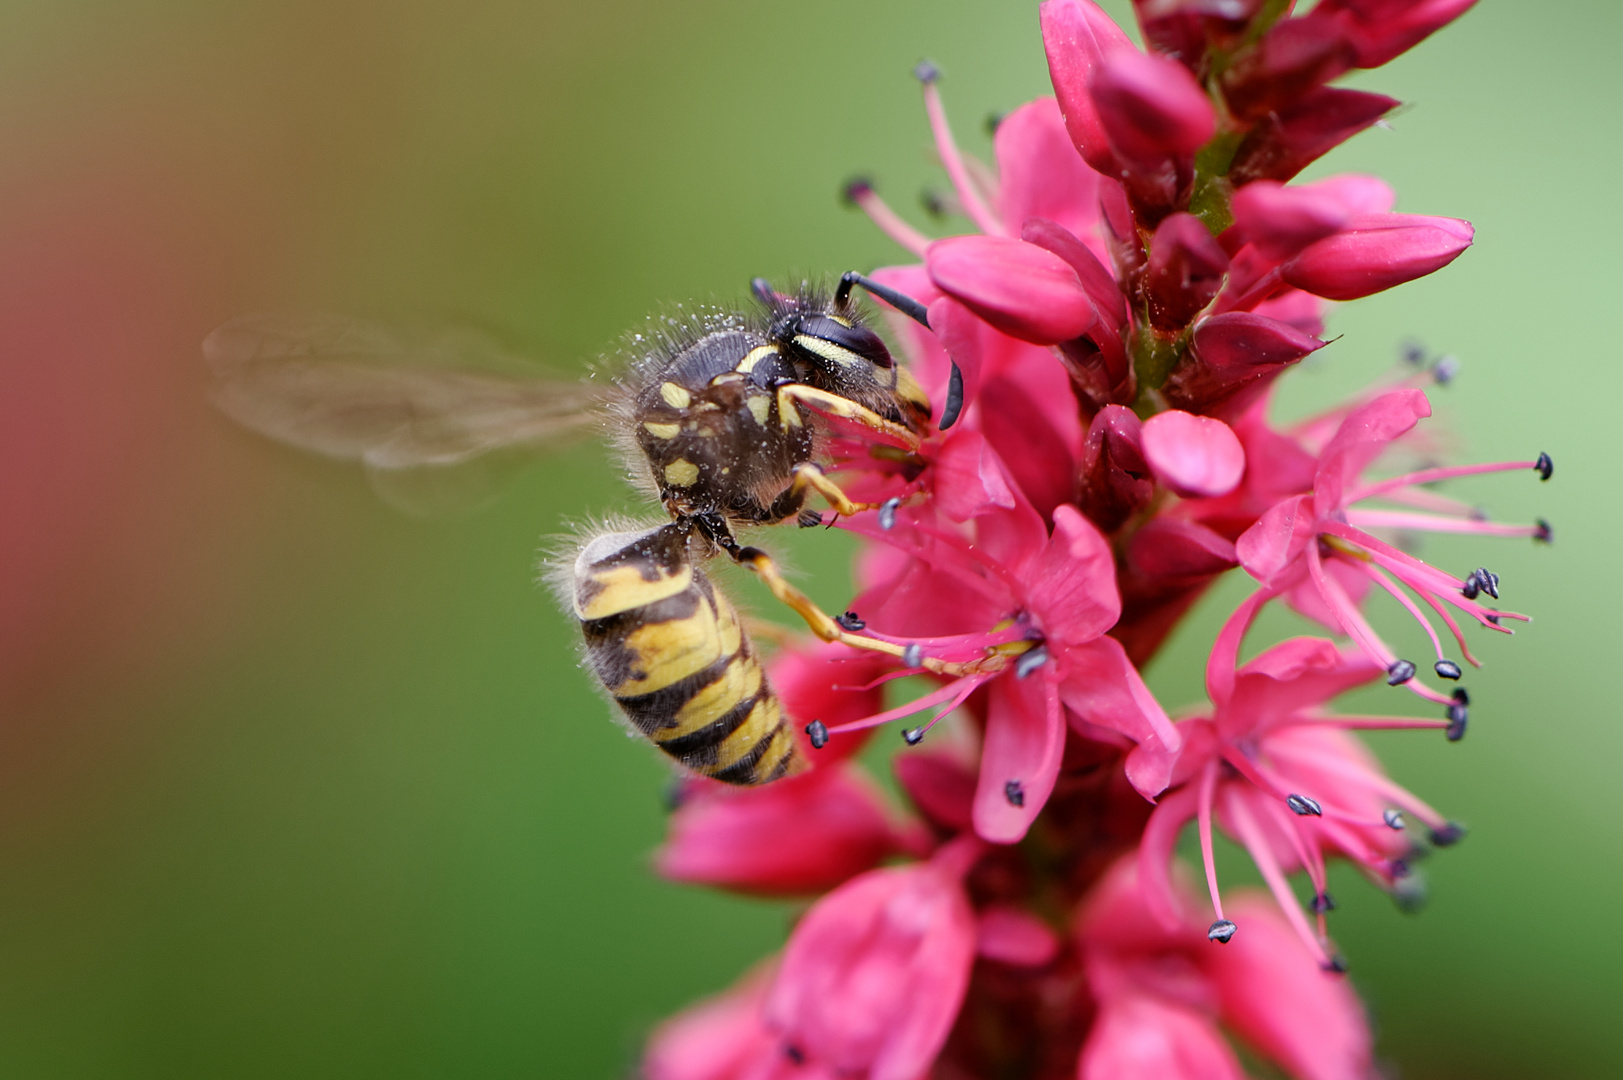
{"x": 1151, "y": 108}
{"x": 1077, "y": 35}
{"x": 1186, "y": 269}
{"x": 1193, "y": 455}
{"x": 1376, "y": 252}
{"x": 1294, "y": 57}
{"x": 734, "y": 838}
{"x": 1279, "y": 221}
{"x": 1233, "y": 357}
{"x": 1283, "y": 144}
{"x": 1171, "y": 550}
{"x": 1381, "y": 30}
{"x": 1018, "y": 288}
{"x": 1115, "y": 477}
{"x": 874, "y": 974}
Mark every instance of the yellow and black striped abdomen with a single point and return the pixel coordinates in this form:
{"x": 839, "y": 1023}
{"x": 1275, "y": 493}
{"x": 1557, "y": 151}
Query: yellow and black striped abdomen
{"x": 669, "y": 649}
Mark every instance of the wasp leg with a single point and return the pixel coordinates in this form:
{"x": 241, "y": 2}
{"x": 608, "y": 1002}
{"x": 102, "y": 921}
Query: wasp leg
{"x": 810, "y": 476}
{"x": 844, "y": 408}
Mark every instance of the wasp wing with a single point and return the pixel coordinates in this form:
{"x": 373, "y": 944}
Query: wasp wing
{"x": 439, "y": 413}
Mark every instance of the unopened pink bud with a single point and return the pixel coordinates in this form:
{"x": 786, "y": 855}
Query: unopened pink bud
{"x": 1280, "y": 220}
{"x": 1077, "y": 35}
{"x": 874, "y": 974}
{"x": 735, "y": 839}
{"x": 1116, "y": 480}
{"x": 1018, "y": 288}
{"x": 1186, "y": 269}
{"x": 1233, "y": 357}
{"x": 1381, "y": 30}
{"x": 1151, "y": 108}
{"x": 1282, "y": 145}
{"x": 1296, "y": 56}
{"x": 1193, "y": 455}
{"x": 1376, "y": 252}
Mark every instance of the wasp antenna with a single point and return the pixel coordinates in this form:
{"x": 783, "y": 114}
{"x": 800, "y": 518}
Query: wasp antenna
{"x": 898, "y": 300}
{"x": 955, "y": 398}
{"x": 763, "y": 291}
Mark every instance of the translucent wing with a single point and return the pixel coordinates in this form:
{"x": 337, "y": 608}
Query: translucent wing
{"x": 433, "y": 417}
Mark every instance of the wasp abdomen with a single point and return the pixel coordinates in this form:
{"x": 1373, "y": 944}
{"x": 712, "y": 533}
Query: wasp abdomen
{"x": 669, "y": 649}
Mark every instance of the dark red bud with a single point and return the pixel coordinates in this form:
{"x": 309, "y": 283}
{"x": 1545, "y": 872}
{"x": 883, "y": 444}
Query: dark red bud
{"x": 1234, "y": 356}
{"x": 1186, "y": 269}
{"x": 1295, "y": 57}
{"x": 1381, "y": 30}
{"x": 1172, "y": 552}
{"x": 1283, "y": 144}
{"x": 1116, "y": 480}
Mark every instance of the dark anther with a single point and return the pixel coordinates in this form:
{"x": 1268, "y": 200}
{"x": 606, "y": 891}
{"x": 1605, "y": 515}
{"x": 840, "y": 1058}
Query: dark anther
{"x": 763, "y": 290}
{"x": 1304, "y": 806}
{"x": 676, "y": 793}
{"x": 794, "y": 1053}
{"x": 1393, "y": 818}
{"x": 913, "y": 736}
{"x": 850, "y": 621}
{"x": 887, "y": 514}
{"x": 817, "y": 732}
{"x": 1399, "y": 869}
{"x": 1492, "y": 617}
{"x": 808, "y": 519}
{"x": 1220, "y": 931}
{"x": 854, "y": 189}
{"x": 1544, "y": 466}
{"x": 994, "y": 120}
{"x": 934, "y": 203}
{"x": 1457, "y": 716}
{"x": 1336, "y": 965}
{"x": 1544, "y": 535}
{"x": 1322, "y": 904}
{"x": 1412, "y": 352}
{"x": 1447, "y": 669}
{"x": 1409, "y": 894}
{"x": 1487, "y": 582}
{"x": 1030, "y": 661}
{"x": 912, "y": 656}
{"x": 925, "y": 71}
{"x": 955, "y": 398}
{"x": 1400, "y": 672}
{"x": 1470, "y": 588}
{"x": 1014, "y": 793}
{"x": 1460, "y": 696}
{"x": 1449, "y": 835}
{"x": 1444, "y": 370}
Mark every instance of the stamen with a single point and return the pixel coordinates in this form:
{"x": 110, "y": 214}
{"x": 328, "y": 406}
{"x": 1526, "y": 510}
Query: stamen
{"x": 1544, "y": 466}
{"x": 887, "y": 514}
{"x": 1322, "y": 904}
{"x": 1458, "y": 715}
{"x": 1448, "y": 835}
{"x": 974, "y": 208}
{"x": 912, "y": 655}
{"x": 913, "y": 736}
{"x": 1220, "y": 931}
{"x": 1398, "y": 519}
{"x": 1015, "y": 793}
{"x": 1030, "y": 661}
{"x": 1393, "y": 818}
{"x": 1399, "y": 672}
{"x": 860, "y": 193}
{"x": 1542, "y": 532}
{"x": 817, "y": 732}
{"x": 1262, "y": 853}
{"x": 955, "y": 692}
{"x": 1203, "y": 823}
{"x": 1444, "y": 370}
{"x": 1447, "y": 669}
{"x": 850, "y": 621}
{"x": 1445, "y": 472}
{"x": 1302, "y": 806}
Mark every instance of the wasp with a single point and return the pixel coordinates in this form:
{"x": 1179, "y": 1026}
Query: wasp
{"x": 725, "y": 418}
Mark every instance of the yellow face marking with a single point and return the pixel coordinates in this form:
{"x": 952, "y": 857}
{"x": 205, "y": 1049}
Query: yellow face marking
{"x": 842, "y": 320}
{"x": 662, "y": 431}
{"x": 760, "y": 407}
{"x": 909, "y": 390}
{"x": 669, "y": 651}
{"x": 623, "y": 588}
{"x": 727, "y": 377}
{"x": 675, "y": 396}
{"x": 829, "y": 351}
{"x": 681, "y": 472}
{"x": 755, "y": 356}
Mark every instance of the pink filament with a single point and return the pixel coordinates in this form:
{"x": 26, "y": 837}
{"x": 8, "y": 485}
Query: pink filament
{"x": 889, "y": 221}
{"x": 1427, "y": 476}
{"x": 974, "y": 207}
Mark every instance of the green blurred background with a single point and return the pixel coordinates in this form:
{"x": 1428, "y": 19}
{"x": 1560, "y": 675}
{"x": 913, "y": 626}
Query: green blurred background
{"x": 293, "y": 785}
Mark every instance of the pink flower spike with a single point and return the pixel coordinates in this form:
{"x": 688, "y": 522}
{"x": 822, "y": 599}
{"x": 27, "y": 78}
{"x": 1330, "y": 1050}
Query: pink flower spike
{"x": 874, "y": 974}
{"x": 733, "y": 838}
{"x": 1280, "y": 220}
{"x": 1376, "y": 252}
{"x": 1019, "y": 288}
{"x": 1193, "y": 455}
{"x": 968, "y": 195}
{"x": 1077, "y": 35}
{"x": 1143, "y": 1037}
{"x": 1151, "y": 108}
{"x": 1015, "y": 937}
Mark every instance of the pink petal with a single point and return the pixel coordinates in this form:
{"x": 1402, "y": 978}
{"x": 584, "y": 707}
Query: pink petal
{"x": 941, "y": 786}
{"x": 715, "y": 1039}
{"x": 1103, "y": 688}
{"x": 1096, "y": 278}
{"x": 1077, "y": 35}
{"x": 1274, "y": 995}
{"x": 970, "y": 479}
{"x": 1151, "y": 108}
{"x": 1377, "y": 251}
{"x": 1170, "y": 549}
{"x": 1040, "y": 173}
{"x": 1155, "y": 850}
{"x": 1012, "y": 936}
{"x": 1362, "y": 437}
{"x": 1020, "y": 757}
{"x": 1138, "y": 1037}
{"x": 1071, "y": 584}
{"x": 1357, "y": 193}
{"x": 1193, "y": 455}
{"x": 734, "y": 838}
{"x": 1296, "y": 674}
{"x": 1019, "y": 288}
{"x": 1272, "y": 545}
{"x": 1280, "y": 220}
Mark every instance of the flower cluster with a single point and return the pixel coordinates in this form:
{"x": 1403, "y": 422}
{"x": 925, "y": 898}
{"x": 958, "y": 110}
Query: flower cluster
{"x": 1141, "y": 273}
